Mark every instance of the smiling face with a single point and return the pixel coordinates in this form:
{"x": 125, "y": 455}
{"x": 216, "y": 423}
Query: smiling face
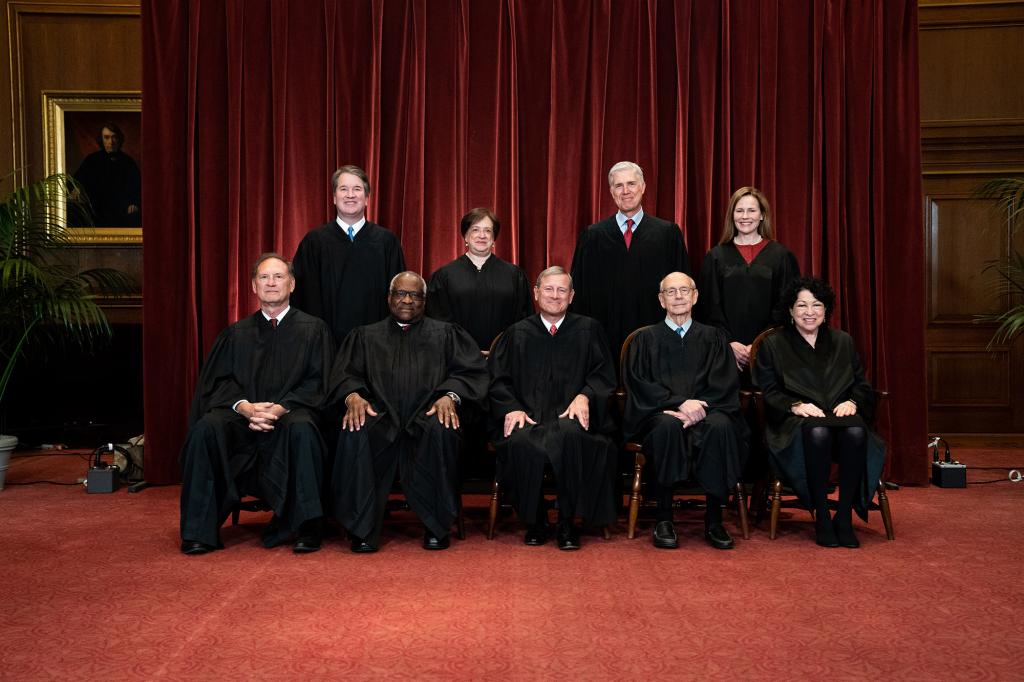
{"x": 350, "y": 198}
{"x": 480, "y": 237}
{"x": 677, "y": 296}
{"x": 553, "y": 295}
{"x": 627, "y": 190}
{"x": 747, "y": 216}
{"x": 273, "y": 285}
{"x": 807, "y": 312}
{"x": 407, "y": 298}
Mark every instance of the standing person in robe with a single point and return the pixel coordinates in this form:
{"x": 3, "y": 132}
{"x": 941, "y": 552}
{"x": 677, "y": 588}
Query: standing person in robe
{"x": 619, "y": 261}
{"x": 817, "y": 401}
{"x": 551, "y": 377}
{"x": 479, "y": 291}
{"x": 112, "y": 182}
{"x": 682, "y": 403}
{"x": 253, "y": 428}
{"x": 742, "y": 277}
{"x": 342, "y": 269}
{"x": 400, "y": 382}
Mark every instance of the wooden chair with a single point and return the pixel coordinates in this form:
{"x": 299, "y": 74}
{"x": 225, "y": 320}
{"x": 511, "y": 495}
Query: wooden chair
{"x": 639, "y": 459}
{"x": 776, "y": 487}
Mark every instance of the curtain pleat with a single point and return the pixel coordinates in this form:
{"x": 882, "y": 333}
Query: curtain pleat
{"x": 523, "y": 106}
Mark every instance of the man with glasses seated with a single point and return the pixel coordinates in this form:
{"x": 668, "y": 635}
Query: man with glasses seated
{"x": 397, "y": 385}
{"x": 682, "y": 403}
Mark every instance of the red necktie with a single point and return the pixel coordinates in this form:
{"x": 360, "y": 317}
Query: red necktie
{"x": 273, "y": 323}
{"x": 553, "y": 330}
{"x": 628, "y": 236}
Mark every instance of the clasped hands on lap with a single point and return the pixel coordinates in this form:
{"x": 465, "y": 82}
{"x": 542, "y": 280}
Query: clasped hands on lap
{"x": 357, "y": 409}
{"x": 579, "y": 410}
{"x": 261, "y": 416}
{"x": 847, "y": 408}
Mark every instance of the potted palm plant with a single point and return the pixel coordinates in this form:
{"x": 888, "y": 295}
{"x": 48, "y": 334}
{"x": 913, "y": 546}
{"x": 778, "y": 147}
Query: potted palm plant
{"x": 1009, "y": 196}
{"x": 44, "y": 300}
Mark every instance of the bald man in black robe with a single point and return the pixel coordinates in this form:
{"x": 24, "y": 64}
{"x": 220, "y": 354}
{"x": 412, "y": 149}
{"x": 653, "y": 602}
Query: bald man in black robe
{"x": 253, "y": 428}
{"x": 551, "y": 377}
{"x": 683, "y": 404}
{"x": 399, "y": 383}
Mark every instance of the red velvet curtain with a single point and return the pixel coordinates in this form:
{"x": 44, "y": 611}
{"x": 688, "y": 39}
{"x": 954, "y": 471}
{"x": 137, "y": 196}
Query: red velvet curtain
{"x": 522, "y": 106}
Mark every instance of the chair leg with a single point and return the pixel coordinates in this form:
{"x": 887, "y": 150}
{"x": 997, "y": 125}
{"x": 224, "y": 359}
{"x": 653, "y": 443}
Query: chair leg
{"x": 741, "y": 505}
{"x": 883, "y": 504}
{"x": 460, "y": 523}
{"x": 493, "y": 514}
{"x": 634, "y": 497}
{"x": 776, "y": 505}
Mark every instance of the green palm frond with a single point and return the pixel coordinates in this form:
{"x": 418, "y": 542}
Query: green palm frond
{"x": 44, "y": 300}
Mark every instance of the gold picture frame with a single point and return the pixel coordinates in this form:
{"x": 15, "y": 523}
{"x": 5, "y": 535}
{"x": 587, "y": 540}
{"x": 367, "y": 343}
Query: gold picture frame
{"x": 72, "y": 120}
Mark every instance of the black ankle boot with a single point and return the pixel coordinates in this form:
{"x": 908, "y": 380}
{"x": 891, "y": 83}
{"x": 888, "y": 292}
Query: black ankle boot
{"x": 824, "y": 531}
{"x": 844, "y": 532}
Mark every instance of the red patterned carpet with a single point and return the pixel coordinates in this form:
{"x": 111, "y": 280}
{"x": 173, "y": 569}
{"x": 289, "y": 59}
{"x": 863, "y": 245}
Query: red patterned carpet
{"x": 94, "y": 588}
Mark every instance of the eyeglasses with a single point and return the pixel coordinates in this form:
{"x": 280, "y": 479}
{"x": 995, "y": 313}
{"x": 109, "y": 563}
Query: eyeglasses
{"x": 677, "y": 291}
{"x": 399, "y": 294}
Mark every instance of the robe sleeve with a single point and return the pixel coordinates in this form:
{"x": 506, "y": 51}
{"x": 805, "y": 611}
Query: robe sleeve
{"x": 217, "y": 385}
{"x": 439, "y": 304}
{"x": 502, "y": 394}
{"x": 311, "y": 392}
{"x": 306, "y": 266}
{"x": 467, "y": 371}
{"x": 709, "y": 304}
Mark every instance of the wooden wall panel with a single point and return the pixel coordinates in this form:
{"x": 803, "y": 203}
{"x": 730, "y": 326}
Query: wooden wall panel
{"x": 972, "y": 128}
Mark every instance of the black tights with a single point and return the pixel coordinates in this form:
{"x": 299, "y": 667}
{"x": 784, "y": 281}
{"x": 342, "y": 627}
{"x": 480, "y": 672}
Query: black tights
{"x": 818, "y": 445}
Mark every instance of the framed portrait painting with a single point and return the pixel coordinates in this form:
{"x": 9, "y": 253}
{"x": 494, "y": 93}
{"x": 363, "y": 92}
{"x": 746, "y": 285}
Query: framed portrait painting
{"x": 95, "y": 137}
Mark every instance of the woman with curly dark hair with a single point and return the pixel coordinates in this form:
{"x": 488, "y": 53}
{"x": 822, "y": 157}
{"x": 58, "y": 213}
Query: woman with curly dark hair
{"x": 818, "y": 403}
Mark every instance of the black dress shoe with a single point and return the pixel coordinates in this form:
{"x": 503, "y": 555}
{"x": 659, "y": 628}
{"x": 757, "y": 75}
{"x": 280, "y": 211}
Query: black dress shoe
{"x": 568, "y": 536}
{"x": 361, "y": 546}
{"x": 845, "y": 536}
{"x": 433, "y": 542}
{"x": 718, "y": 537}
{"x": 824, "y": 531}
{"x": 194, "y": 547}
{"x": 536, "y": 535}
{"x": 665, "y": 535}
{"x": 310, "y": 536}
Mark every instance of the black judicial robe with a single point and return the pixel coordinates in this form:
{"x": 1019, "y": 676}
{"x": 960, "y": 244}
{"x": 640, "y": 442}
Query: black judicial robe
{"x": 540, "y": 374}
{"x": 345, "y": 282}
{"x": 484, "y": 302}
{"x": 222, "y": 459}
{"x": 662, "y": 371}
{"x": 112, "y": 182}
{"x": 789, "y": 370}
{"x": 743, "y": 299}
{"x": 619, "y": 287}
{"x": 401, "y": 373}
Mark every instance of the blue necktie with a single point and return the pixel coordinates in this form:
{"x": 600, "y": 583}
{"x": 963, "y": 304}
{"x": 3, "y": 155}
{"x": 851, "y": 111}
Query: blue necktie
{"x": 351, "y": 233}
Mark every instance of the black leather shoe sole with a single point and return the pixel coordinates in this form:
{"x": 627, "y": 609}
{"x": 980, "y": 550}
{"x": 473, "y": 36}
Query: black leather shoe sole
{"x": 360, "y": 546}
{"x": 195, "y": 548}
{"x": 719, "y": 538}
{"x": 664, "y": 536}
{"x": 535, "y": 537}
{"x": 433, "y": 542}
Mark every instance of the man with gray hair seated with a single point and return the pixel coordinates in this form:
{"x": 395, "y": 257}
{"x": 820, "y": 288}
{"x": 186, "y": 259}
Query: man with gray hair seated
{"x": 551, "y": 377}
{"x": 399, "y": 383}
{"x": 619, "y": 261}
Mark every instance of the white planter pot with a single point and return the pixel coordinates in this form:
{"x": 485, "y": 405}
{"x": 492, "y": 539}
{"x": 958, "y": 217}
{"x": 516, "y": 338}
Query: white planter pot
{"x": 7, "y": 445}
